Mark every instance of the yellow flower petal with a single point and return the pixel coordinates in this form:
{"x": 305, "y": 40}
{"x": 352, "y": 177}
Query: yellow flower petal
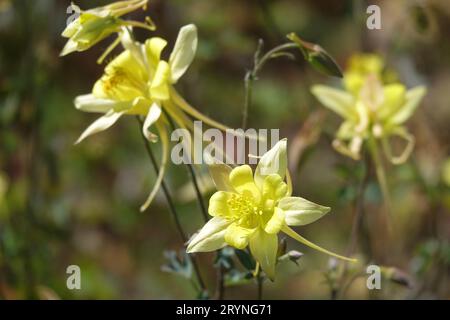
{"x": 274, "y": 188}
{"x": 153, "y": 115}
{"x": 241, "y": 179}
{"x": 394, "y": 98}
{"x": 218, "y": 204}
{"x": 154, "y": 47}
{"x": 183, "y": 52}
{"x": 276, "y": 222}
{"x": 220, "y": 174}
{"x": 165, "y": 151}
{"x": 367, "y": 63}
{"x": 404, "y": 155}
{"x": 264, "y": 247}
{"x": 90, "y": 103}
{"x": 273, "y": 161}
{"x": 300, "y": 211}
{"x": 124, "y": 79}
{"x": 237, "y": 236}
{"x": 300, "y": 239}
{"x": 100, "y": 124}
{"x": 413, "y": 99}
{"x": 159, "y": 89}
{"x": 336, "y": 100}
{"x": 210, "y": 237}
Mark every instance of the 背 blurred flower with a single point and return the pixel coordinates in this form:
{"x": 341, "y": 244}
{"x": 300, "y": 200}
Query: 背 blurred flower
{"x": 96, "y": 24}
{"x": 372, "y": 106}
{"x": 251, "y": 209}
{"x": 139, "y": 82}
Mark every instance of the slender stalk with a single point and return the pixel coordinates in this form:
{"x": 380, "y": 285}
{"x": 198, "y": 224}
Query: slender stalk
{"x": 382, "y": 180}
{"x": 358, "y": 214}
{"x": 172, "y": 207}
{"x": 220, "y": 287}
{"x": 248, "y": 83}
{"x": 259, "y": 281}
{"x": 275, "y": 52}
{"x": 194, "y": 180}
{"x": 197, "y": 192}
{"x": 359, "y": 209}
{"x": 252, "y": 75}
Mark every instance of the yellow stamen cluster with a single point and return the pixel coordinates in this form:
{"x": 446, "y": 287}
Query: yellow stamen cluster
{"x": 245, "y": 210}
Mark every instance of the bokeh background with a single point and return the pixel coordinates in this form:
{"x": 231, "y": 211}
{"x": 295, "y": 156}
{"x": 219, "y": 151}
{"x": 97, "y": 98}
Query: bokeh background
{"x": 62, "y": 204}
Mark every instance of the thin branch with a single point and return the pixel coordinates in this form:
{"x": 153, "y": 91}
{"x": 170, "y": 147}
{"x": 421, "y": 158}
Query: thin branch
{"x": 259, "y": 280}
{"x": 171, "y": 207}
{"x": 252, "y": 75}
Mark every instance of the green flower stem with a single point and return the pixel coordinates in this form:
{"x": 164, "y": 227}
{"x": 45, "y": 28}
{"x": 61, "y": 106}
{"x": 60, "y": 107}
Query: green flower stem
{"x": 220, "y": 289}
{"x": 382, "y": 180}
{"x": 172, "y": 207}
{"x": 252, "y": 75}
{"x": 358, "y": 215}
{"x": 194, "y": 180}
{"x": 220, "y": 286}
{"x": 259, "y": 280}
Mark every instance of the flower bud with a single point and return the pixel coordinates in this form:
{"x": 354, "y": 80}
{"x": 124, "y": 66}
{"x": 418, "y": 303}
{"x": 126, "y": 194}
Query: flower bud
{"x": 317, "y": 56}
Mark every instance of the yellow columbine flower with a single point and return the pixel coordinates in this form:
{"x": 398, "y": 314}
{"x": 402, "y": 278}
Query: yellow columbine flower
{"x": 252, "y": 209}
{"x": 138, "y": 82}
{"x": 371, "y": 109}
{"x": 96, "y": 24}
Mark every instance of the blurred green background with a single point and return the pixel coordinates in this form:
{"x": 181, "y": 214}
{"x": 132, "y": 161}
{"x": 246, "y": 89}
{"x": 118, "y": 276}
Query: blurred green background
{"x": 62, "y": 204}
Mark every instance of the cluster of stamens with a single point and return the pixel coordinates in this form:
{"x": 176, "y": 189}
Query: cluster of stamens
{"x": 244, "y": 209}
{"x": 112, "y": 79}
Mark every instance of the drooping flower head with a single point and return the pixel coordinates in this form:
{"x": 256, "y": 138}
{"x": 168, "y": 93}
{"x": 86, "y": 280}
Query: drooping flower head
{"x": 371, "y": 107}
{"x": 139, "y": 82}
{"x": 251, "y": 209}
{"x": 96, "y": 24}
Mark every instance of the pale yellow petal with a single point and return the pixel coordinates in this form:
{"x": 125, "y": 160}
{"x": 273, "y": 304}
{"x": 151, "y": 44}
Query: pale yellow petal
{"x": 153, "y": 115}
{"x": 274, "y": 188}
{"x": 183, "y": 52}
{"x": 264, "y": 247}
{"x": 90, "y": 103}
{"x": 159, "y": 88}
{"x": 276, "y": 222}
{"x": 211, "y": 237}
{"x": 165, "y": 151}
{"x": 237, "y": 236}
{"x": 220, "y": 174}
{"x": 336, "y": 100}
{"x": 154, "y": 47}
{"x": 273, "y": 161}
{"x": 100, "y": 124}
{"x": 413, "y": 99}
{"x": 241, "y": 179}
{"x": 300, "y": 211}
{"x": 218, "y": 204}
{"x": 300, "y": 239}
